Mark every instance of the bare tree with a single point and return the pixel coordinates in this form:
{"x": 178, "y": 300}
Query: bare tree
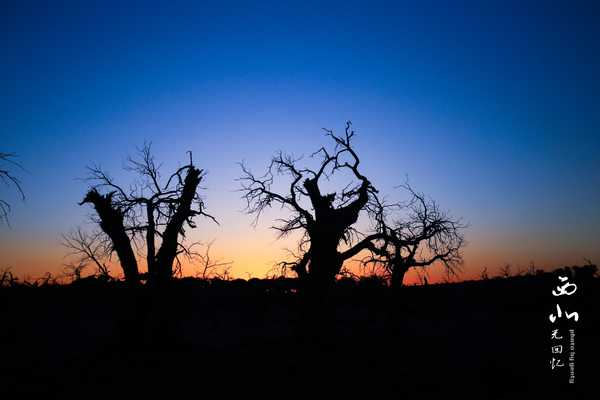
{"x": 484, "y": 276}
{"x": 151, "y": 214}
{"x": 9, "y": 179}
{"x": 73, "y": 270}
{"x": 7, "y": 279}
{"x": 86, "y": 248}
{"x": 424, "y": 236}
{"x": 505, "y": 271}
{"x": 329, "y": 221}
{"x": 210, "y": 267}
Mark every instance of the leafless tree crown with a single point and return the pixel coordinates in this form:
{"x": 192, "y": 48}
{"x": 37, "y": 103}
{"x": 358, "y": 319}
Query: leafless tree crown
{"x": 152, "y": 214}
{"x": 425, "y": 235}
{"x": 329, "y": 220}
{"x": 415, "y": 234}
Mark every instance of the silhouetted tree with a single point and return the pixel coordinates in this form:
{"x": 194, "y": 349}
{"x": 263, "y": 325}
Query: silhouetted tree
{"x": 484, "y": 274}
{"x": 587, "y": 271}
{"x": 152, "y": 210}
{"x": 331, "y": 217}
{"x": 7, "y": 279}
{"x": 505, "y": 271}
{"x": 9, "y": 179}
{"x": 425, "y": 235}
{"x": 86, "y": 248}
{"x": 209, "y": 267}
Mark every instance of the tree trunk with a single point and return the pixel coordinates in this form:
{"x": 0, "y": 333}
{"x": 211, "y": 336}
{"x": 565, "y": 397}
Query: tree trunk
{"x": 300, "y": 268}
{"x": 150, "y": 243}
{"x": 111, "y": 222}
{"x": 398, "y": 273}
{"x": 168, "y": 249}
{"x": 325, "y": 264}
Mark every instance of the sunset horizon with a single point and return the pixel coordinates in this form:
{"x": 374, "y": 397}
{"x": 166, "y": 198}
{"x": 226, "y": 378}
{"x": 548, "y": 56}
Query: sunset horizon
{"x": 393, "y": 198}
{"x": 499, "y": 127}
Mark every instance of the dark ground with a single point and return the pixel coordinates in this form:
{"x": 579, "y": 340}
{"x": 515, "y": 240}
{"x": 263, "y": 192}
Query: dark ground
{"x": 487, "y": 338}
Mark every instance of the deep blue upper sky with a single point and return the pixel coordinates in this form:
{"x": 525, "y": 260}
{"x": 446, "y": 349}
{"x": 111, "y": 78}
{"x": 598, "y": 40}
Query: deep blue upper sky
{"x": 492, "y": 111}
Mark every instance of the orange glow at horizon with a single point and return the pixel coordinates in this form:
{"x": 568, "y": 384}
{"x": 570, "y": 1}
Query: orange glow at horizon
{"x": 254, "y": 252}
{"x": 250, "y": 258}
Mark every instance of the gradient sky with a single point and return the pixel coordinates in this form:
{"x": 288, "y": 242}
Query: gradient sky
{"x": 492, "y": 112}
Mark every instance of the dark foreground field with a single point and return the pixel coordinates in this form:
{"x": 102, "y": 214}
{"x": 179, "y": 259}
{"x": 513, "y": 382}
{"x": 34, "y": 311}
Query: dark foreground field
{"x": 488, "y": 338}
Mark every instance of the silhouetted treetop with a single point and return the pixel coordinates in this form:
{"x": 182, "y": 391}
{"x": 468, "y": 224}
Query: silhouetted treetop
{"x": 421, "y": 237}
{"x": 330, "y": 218}
{"x": 414, "y": 234}
{"x": 149, "y": 212}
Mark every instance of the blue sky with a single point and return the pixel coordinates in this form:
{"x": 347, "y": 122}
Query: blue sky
{"x": 491, "y": 111}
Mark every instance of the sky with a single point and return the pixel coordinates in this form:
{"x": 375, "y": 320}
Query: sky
{"x": 491, "y": 111}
